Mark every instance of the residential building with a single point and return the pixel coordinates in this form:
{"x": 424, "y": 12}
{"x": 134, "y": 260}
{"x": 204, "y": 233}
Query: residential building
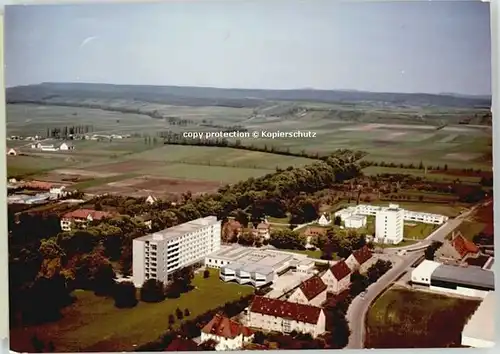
{"x": 58, "y": 191}
{"x": 151, "y": 200}
{"x": 66, "y": 147}
{"x": 389, "y": 225}
{"x": 231, "y": 229}
{"x": 158, "y": 255}
{"x": 324, "y": 220}
{"x": 337, "y": 278}
{"x": 310, "y": 292}
{"x": 313, "y": 231}
{"x": 408, "y": 215}
{"x": 229, "y": 334}
{"x": 283, "y": 316}
{"x": 355, "y": 221}
{"x": 358, "y": 260}
{"x": 479, "y": 331}
{"x": 82, "y": 216}
{"x": 263, "y": 230}
{"x": 457, "y": 249}
{"x": 453, "y": 280}
{"x": 11, "y": 152}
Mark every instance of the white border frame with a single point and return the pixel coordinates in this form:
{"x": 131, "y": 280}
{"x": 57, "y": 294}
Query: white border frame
{"x": 4, "y": 301}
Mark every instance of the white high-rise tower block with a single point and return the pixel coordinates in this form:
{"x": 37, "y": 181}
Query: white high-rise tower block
{"x": 389, "y": 225}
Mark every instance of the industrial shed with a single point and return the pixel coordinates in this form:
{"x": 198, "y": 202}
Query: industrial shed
{"x": 464, "y": 281}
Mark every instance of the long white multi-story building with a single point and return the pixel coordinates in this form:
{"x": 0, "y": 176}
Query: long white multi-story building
{"x": 159, "y": 254}
{"x": 389, "y": 225}
{"x": 408, "y": 215}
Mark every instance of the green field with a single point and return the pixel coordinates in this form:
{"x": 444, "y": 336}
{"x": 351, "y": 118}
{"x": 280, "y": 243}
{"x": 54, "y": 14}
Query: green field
{"x": 93, "y": 323}
{"x": 418, "y": 231}
{"x": 402, "y": 318}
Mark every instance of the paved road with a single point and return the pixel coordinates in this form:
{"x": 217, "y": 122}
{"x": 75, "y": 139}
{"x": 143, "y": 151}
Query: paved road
{"x": 359, "y": 307}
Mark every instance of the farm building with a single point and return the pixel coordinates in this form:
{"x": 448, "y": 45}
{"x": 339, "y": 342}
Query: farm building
{"x": 66, "y": 146}
{"x": 11, "y": 152}
{"x": 454, "y": 280}
{"x": 479, "y": 331}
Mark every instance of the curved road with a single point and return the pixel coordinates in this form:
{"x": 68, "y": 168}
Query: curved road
{"x": 359, "y": 307}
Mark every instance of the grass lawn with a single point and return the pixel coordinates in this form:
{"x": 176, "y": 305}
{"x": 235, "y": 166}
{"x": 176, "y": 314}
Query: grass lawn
{"x": 310, "y": 253}
{"x": 401, "y": 244}
{"x": 469, "y": 229}
{"x": 418, "y": 231}
{"x": 285, "y": 220}
{"x": 450, "y": 210}
{"x": 402, "y": 318}
{"x": 93, "y": 323}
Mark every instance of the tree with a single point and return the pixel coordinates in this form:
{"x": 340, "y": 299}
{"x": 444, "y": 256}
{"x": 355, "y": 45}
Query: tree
{"x": 152, "y": 291}
{"x": 186, "y": 313}
{"x": 171, "y": 319}
{"x": 430, "y": 251}
{"x": 206, "y": 273}
{"x": 179, "y": 314}
{"x": 337, "y": 221}
{"x": 51, "y": 348}
{"x": 125, "y": 295}
{"x": 208, "y": 345}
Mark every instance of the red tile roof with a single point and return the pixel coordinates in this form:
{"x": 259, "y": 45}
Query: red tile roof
{"x": 362, "y": 255}
{"x": 181, "y": 345}
{"x": 224, "y": 327}
{"x": 285, "y": 309}
{"x": 340, "y": 270}
{"x": 464, "y": 246}
{"x": 312, "y": 231}
{"x": 38, "y": 185}
{"x": 312, "y": 287}
{"x": 84, "y": 213}
{"x": 263, "y": 226}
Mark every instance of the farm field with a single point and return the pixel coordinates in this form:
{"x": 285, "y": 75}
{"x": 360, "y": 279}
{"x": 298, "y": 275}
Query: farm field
{"x": 93, "y": 323}
{"x": 402, "y": 318}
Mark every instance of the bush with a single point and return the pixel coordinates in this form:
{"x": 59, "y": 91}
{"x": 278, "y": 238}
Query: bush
{"x": 152, "y": 291}
{"x": 124, "y": 295}
{"x": 206, "y": 273}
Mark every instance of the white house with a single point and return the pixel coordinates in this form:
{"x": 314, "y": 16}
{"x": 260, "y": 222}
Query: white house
{"x": 389, "y": 225}
{"x": 355, "y": 221}
{"x": 11, "y": 152}
{"x": 310, "y": 292}
{"x": 337, "y": 278}
{"x": 324, "y": 220}
{"x": 285, "y": 317}
{"x": 58, "y": 191}
{"x": 66, "y": 147}
{"x": 229, "y": 334}
{"x": 151, "y": 200}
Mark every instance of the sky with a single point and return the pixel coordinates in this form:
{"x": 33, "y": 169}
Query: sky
{"x": 431, "y": 47}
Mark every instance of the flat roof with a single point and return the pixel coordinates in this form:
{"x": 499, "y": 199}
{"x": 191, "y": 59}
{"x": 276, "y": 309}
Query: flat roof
{"x": 481, "y": 325}
{"x": 427, "y": 267}
{"x": 259, "y": 261}
{"x": 179, "y": 230}
{"x": 356, "y": 217}
{"x": 231, "y": 253}
{"x": 473, "y": 276}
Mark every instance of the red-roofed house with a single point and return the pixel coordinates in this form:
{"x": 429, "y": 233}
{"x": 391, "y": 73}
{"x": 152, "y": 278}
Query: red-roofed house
{"x": 337, "y": 278}
{"x": 358, "y": 260}
{"x": 310, "y": 292}
{"x": 229, "y": 334}
{"x": 457, "y": 249}
{"x": 284, "y": 316}
{"x": 82, "y": 216}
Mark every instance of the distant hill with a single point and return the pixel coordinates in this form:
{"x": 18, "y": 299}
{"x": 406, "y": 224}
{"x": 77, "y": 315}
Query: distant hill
{"x": 208, "y": 96}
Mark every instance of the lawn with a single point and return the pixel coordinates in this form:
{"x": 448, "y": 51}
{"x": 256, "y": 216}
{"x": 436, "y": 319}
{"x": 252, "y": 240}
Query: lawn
{"x": 93, "y": 323}
{"x": 310, "y": 253}
{"x": 418, "y": 231}
{"x": 469, "y": 229}
{"x": 402, "y": 318}
{"x": 401, "y": 244}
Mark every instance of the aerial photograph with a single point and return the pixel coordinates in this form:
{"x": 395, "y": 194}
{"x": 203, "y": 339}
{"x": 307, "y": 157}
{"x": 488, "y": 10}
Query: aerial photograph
{"x": 249, "y": 175}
